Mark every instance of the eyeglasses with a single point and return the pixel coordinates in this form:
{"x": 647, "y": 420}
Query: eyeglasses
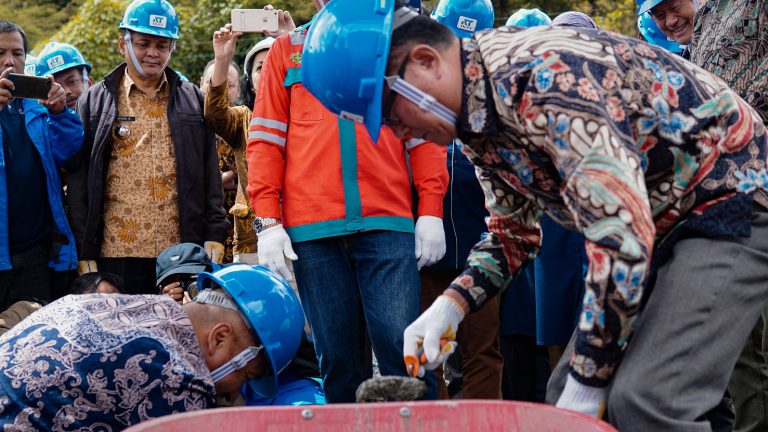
{"x": 389, "y": 100}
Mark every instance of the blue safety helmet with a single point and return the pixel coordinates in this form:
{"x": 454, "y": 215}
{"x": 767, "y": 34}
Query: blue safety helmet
{"x": 339, "y": 66}
{"x": 644, "y": 6}
{"x": 272, "y": 310}
{"x": 152, "y": 17}
{"x": 654, "y": 36}
{"x": 30, "y": 65}
{"x": 57, "y": 57}
{"x": 528, "y": 18}
{"x": 465, "y": 17}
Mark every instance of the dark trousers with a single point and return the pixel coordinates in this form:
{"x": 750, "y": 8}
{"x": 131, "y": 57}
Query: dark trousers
{"x": 29, "y": 278}
{"x": 477, "y": 337}
{"x": 706, "y": 300}
{"x": 749, "y": 382}
{"x": 526, "y": 369}
{"x": 138, "y": 274}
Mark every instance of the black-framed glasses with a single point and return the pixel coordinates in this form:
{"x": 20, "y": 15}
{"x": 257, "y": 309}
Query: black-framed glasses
{"x": 389, "y": 100}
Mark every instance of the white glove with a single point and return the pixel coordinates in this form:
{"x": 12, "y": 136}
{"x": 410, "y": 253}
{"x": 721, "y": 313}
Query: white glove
{"x": 584, "y": 399}
{"x": 273, "y": 247}
{"x": 440, "y": 321}
{"x": 430, "y": 240}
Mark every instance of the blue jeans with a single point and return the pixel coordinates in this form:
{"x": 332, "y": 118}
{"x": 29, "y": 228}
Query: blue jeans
{"x": 354, "y": 287}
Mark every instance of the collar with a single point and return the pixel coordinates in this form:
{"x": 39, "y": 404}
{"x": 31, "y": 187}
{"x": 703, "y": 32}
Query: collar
{"x": 478, "y": 116}
{"x": 128, "y": 82}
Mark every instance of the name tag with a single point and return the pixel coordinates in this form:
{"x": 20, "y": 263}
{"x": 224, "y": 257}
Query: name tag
{"x": 124, "y": 118}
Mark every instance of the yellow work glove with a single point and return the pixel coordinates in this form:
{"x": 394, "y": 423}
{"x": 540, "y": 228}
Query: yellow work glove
{"x": 215, "y": 251}
{"x": 86, "y": 266}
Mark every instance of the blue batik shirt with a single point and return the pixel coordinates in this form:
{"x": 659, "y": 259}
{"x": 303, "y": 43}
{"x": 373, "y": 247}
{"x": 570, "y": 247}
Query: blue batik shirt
{"x": 101, "y": 362}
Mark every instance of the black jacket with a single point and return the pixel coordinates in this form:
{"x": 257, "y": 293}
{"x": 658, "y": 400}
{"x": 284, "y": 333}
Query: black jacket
{"x": 201, "y": 214}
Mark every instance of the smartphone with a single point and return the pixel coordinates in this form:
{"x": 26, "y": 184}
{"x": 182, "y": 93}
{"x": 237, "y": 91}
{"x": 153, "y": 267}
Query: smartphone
{"x": 30, "y": 87}
{"x": 254, "y": 20}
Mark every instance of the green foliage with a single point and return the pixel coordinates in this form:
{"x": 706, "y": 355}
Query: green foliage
{"x": 199, "y": 19}
{"x": 40, "y": 18}
{"x": 93, "y": 30}
{"x": 614, "y": 15}
{"x": 91, "y": 25}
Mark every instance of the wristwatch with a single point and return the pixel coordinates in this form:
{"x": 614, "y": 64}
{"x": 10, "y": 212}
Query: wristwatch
{"x": 260, "y": 224}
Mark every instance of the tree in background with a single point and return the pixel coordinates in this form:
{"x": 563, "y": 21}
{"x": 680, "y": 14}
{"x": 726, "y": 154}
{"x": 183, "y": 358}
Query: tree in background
{"x": 614, "y": 15}
{"x": 93, "y": 29}
{"x": 39, "y": 19}
{"x": 91, "y": 25}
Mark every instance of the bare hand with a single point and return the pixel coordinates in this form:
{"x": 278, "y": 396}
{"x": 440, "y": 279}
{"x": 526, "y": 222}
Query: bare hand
{"x": 6, "y": 86}
{"x": 225, "y": 42}
{"x": 57, "y": 98}
{"x": 175, "y": 291}
{"x": 229, "y": 180}
{"x": 284, "y": 23}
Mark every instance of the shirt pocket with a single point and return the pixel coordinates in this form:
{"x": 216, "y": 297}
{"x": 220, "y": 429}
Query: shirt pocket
{"x": 304, "y": 106}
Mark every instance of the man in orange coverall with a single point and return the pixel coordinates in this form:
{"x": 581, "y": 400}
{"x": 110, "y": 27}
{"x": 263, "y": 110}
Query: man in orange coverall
{"x": 338, "y": 205}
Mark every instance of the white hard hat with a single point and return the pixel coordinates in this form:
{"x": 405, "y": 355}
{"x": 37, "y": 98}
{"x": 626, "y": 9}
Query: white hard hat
{"x": 262, "y": 45}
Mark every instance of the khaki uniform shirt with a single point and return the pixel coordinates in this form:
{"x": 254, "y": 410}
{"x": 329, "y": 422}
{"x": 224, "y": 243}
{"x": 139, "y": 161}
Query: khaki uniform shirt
{"x": 141, "y": 214}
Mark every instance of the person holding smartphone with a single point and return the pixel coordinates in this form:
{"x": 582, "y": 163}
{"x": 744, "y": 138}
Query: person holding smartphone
{"x": 37, "y": 138}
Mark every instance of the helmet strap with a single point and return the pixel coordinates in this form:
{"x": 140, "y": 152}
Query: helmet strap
{"x": 421, "y": 99}
{"x": 85, "y": 79}
{"x": 129, "y": 45}
{"x": 236, "y": 363}
{"x": 134, "y": 60}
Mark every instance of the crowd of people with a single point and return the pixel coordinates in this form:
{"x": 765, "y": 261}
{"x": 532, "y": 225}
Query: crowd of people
{"x": 542, "y": 211}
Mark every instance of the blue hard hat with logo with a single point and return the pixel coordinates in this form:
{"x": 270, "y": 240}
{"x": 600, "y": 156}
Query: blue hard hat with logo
{"x": 343, "y": 65}
{"x": 152, "y": 17}
{"x": 273, "y": 312}
{"x": 465, "y": 17}
{"x": 654, "y": 36}
{"x": 528, "y": 18}
{"x": 57, "y": 57}
{"x": 30, "y": 65}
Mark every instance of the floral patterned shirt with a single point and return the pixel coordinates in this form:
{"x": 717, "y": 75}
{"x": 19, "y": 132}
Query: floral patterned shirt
{"x": 141, "y": 212}
{"x": 619, "y": 140}
{"x": 101, "y": 362}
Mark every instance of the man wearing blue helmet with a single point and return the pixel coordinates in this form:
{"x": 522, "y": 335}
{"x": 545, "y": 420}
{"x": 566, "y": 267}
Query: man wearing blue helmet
{"x": 37, "y": 138}
{"x": 528, "y": 18}
{"x": 111, "y": 361}
{"x": 148, "y": 176}
{"x": 673, "y": 17}
{"x": 68, "y": 67}
{"x": 657, "y": 162}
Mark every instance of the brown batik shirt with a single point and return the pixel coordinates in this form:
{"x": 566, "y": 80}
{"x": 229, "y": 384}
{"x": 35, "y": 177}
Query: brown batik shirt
{"x": 141, "y": 214}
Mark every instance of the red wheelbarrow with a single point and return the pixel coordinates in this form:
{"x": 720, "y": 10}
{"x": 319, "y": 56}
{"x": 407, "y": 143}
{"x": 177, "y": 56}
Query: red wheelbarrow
{"x": 437, "y": 416}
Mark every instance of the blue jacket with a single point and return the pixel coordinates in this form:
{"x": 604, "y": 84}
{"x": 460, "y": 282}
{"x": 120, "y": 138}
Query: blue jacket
{"x": 57, "y": 137}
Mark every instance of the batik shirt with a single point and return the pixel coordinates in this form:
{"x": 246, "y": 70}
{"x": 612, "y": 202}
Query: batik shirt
{"x": 617, "y": 139}
{"x": 730, "y": 39}
{"x": 103, "y": 362}
{"x": 141, "y": 211}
